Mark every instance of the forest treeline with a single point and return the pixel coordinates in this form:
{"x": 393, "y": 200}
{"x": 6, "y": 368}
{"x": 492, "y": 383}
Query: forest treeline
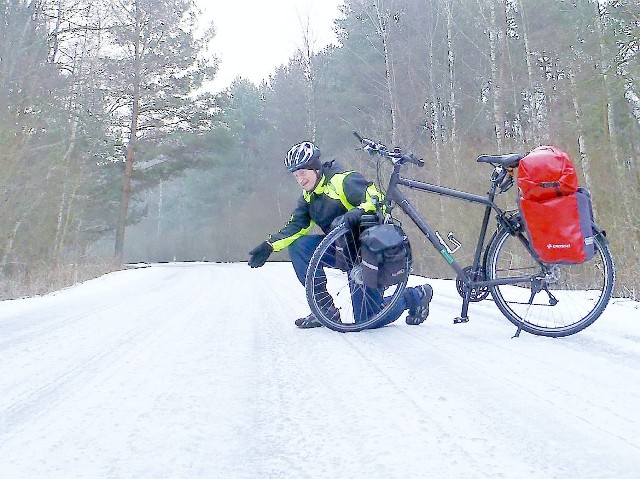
{"x": 113, "y": 150}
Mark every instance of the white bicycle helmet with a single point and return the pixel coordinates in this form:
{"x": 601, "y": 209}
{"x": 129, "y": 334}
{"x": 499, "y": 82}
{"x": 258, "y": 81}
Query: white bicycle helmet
{"x": 303, "y": 155}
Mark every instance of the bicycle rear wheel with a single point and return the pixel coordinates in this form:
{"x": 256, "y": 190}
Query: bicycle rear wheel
{"x": 334, "y": 282}
{"x": 557, "y": 299}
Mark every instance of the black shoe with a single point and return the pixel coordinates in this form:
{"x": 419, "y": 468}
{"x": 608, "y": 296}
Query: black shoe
{"x": 311, "y": 321}
{"x": 420, "y": 311}
{"x": 308, "y": 322}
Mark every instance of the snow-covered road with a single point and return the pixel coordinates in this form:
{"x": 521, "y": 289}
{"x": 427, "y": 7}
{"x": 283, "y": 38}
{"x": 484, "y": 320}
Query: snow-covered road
{"x": 196, "y": 370}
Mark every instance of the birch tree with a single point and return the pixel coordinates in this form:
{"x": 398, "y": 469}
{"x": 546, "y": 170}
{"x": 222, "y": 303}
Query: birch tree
{"x": 382, "y": 19}
{"x": 452, "y": 83}
{"x": 306, "y": 61}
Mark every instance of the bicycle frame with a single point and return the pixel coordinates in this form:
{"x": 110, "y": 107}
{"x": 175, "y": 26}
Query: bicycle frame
{"x": 394, "y": 194}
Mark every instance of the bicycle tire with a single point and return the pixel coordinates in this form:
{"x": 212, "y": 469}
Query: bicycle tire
{"x": 577, "y": 293}
{"x": 328, "y": 285}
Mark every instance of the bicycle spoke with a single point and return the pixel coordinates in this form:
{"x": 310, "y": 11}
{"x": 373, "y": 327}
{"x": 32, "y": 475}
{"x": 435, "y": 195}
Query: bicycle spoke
{"x": 559, "y": 299}
{"x": 334, "y": 282}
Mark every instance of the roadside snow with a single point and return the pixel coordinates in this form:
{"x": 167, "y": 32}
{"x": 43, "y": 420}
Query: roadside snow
{"x": 196, "y": 370}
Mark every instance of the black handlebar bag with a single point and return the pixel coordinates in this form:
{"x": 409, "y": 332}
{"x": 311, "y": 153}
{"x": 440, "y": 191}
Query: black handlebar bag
{"x": 386, "y": 255}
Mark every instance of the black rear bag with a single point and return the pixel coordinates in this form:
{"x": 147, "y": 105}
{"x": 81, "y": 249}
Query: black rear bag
{"x": 386, "y": 254}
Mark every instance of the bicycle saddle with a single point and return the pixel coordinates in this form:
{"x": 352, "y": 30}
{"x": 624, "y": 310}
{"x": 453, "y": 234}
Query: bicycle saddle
{"x": 506, "y": 161}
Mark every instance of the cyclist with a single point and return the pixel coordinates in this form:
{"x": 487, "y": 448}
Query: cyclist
{"x": 329, "y": 192}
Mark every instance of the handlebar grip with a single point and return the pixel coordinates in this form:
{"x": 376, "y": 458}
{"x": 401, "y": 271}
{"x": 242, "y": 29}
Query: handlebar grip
{"x": 411, "y": 158}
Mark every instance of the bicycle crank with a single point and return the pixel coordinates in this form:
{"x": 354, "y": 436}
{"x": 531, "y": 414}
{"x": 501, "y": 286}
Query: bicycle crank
{"x": 477, "y": 294}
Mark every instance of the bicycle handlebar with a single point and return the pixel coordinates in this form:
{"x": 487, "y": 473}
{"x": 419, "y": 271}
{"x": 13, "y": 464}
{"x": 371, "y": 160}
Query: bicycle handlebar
{"x": 396, "y": 155}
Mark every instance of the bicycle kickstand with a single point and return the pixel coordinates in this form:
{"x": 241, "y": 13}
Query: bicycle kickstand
{"x": 517, "y": 335}
{"x": 464, "y": 314}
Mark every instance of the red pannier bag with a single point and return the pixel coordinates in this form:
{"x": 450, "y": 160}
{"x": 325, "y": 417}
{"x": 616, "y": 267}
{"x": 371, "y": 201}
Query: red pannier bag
{"x": 546, "y": 172}
{"x": 557, "y": 213}
{"x": 560, "y": 229}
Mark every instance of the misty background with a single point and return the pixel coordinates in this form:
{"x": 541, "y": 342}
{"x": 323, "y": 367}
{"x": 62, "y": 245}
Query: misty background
{"x": 112, "y": 151}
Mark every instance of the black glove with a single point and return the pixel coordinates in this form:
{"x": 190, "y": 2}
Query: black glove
{"x": 352, "y": 217}
{"x": 259, "y": 254}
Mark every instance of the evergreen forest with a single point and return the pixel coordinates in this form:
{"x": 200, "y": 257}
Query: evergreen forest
{"x": 112, "y": 150}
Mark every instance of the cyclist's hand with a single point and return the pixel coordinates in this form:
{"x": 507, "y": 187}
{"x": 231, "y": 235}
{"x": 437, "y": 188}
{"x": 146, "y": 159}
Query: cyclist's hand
{"x": 352, "y": 217}
{"x": 259, "y": 254}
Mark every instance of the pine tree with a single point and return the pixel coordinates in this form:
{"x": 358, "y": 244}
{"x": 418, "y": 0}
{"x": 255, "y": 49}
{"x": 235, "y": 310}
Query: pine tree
{"x": 152, "y": 72}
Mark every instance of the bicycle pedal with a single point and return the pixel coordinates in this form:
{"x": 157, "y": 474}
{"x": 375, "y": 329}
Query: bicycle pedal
{"x": 460, "y": 320}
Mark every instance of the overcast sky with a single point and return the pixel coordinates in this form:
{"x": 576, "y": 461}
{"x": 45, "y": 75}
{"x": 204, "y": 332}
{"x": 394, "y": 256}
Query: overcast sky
{"x": 253, "y": 37}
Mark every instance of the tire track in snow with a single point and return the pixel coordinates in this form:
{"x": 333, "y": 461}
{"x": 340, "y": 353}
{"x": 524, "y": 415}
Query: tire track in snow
{"x": 32, "y": 403}
{"x": 545, "y": 380}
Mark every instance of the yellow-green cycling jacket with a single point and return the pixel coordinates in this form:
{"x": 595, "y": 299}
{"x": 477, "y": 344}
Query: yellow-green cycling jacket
{"x": 337, "y": 192}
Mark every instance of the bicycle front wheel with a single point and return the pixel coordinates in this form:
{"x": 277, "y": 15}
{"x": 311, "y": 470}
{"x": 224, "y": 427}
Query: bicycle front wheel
{"x": 555, "y": 299}
{"x": 335, "y": 289}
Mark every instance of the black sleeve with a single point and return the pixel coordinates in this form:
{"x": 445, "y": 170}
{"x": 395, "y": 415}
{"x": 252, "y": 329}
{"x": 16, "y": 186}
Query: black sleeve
{"x": 360, "y": 192}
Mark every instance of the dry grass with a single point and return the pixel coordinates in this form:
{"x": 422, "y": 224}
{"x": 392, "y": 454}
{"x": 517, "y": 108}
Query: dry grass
{"x": 40, "y": 279}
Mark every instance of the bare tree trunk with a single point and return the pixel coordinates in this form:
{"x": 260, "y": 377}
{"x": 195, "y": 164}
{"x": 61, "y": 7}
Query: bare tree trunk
{"x": 451, "y": 71}
{"x": 534, "y": 117}
{"x": 8, "y": 248}
{"x": 131, "y": 147}
{"x": 604, "y": 71}
{"x": 160, "y": 201}
{"x": 309, "y": 75}
{"x": 68, "y": 217}
{"x": 431, "y": 106}
{"x": 493, "y": 49}
{"x": 584, "y": 157}
{"x": 66, "y": 203}
{"x": 610, "y": 128}
{"x": 624, "y": 187}
{"x": 60, "y": 224}
{"x": 389, "y": 73}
